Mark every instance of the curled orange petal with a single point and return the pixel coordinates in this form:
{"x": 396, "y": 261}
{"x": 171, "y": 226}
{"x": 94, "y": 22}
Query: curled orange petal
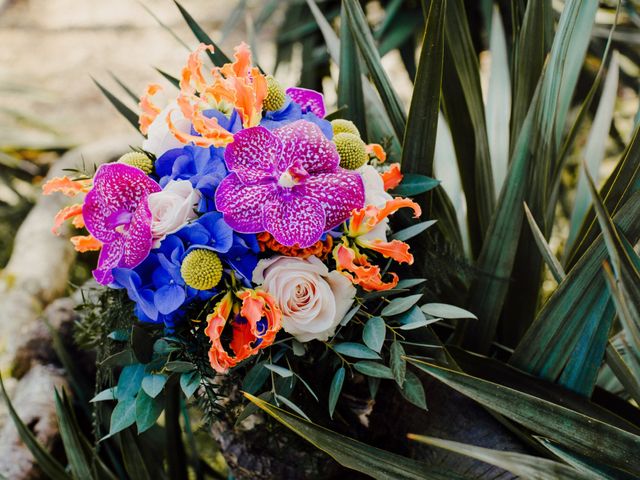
{"x": 360, "y": 271}
{"x": 211, "y": 132}
{"x": 66, "y": 186}
{"x": 395, "y": 249}
{"x": 396, "y": 204}
{"x": 78, "y": 221}
{"x": 364, "y": 220}
{"x": 192, "y": 72}
{"x": 392, "y": 177}
{"x": 149, "y": 111}
{"x": 377, "y": 151}
{"x": 65, "y": 214}
{"x": 86, "y": 243}
{"x": 219, "y": 359}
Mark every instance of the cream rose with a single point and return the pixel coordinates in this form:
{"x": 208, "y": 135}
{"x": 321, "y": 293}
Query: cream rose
{"x": 159, "y": 139}
{"x": 312, "y": 299}
{"x": 172, "y": 208}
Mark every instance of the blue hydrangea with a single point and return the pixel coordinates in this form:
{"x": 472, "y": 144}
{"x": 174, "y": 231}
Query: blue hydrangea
{"x": 156, "y": 285}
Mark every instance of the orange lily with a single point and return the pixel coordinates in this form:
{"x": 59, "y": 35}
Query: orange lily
{"x": 66, "y": 186}
{"x": 391, "y": 177}
{"x": 377, "y": 151}
{"x": 255, "y": 323}
{"x": 72, "y": 211}
{"x": 149, "y": 110}
{"x": 86, "y": 243}
{"x": 237, "y": 84}
{"x": 360, "y": 271}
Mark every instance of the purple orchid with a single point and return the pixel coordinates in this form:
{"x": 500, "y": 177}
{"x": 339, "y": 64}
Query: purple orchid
{"x": 287, "y": 182}
{"x": 116, "y": 212}
{"x": 309, "y": 100}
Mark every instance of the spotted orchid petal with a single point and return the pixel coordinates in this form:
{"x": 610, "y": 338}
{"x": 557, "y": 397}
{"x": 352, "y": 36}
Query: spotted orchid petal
{"x": 242, "y": 204}
{"x": 299, "y": 221}
{"x": 308, "y": 99}
{"x": 110, "y": 255}
{"x": 339, "y": 193}
{"x": 305, "y": 143}
{"x": 252, "y": 153}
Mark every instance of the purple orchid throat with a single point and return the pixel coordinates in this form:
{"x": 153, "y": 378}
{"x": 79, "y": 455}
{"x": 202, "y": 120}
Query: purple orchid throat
{"x": 116, "y": 212}
{"x": 287, "y": 182}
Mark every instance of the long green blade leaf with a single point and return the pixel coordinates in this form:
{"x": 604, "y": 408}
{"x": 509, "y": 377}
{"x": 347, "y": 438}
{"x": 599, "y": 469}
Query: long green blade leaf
{"x": 350, "y": 93}
{"x": 126, "y": 112}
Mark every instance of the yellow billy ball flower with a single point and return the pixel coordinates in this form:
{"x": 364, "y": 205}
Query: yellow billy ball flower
{"x": 201, "y": 269}
{"x": 344, "y": 126}
{"x": 275, "y": 95}
{"x": 352, "y": 150}
{"x": 138, "y": 160}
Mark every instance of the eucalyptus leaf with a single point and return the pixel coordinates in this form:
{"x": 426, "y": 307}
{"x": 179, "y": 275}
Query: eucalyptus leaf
{"x": 374, "y": 369}
{"x": 398, "y": 363}
{"x": 355, "y": 350}
{"x": 123, "y": 415}
{"x": 373, "y": 333}
{"x": 413, "y": 391}
{"x": 400, "y": 305}
{"x": 130, "y": 381}
{"x": 335, "y": 389}
{"x": 147, "y": 411}
{"x": 106, "y": 394}
{"x": 283, "y": 372}
{"x": 189, "y": 383}
{"x": 153, "y": 384}
{"x": 442, "y": 310}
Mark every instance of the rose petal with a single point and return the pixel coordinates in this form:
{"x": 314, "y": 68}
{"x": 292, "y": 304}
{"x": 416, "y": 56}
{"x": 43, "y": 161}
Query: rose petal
{"x": 339, "y": 193}
{"x": 308, "y": 99}
{"x": 253, "y": 154}
{"x": 305, "y": 142}
{"x": 242, "y": 204}
{"x": 296, "y": 220}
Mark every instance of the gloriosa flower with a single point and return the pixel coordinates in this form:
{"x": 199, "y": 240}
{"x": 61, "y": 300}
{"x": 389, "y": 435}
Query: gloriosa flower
{"x": 253, "y": 324}
{"x": 116, "y": 212}
{"x": 235, "y": 86}
{"x": 366, "y": 229}
{"x": 288, "y": 183}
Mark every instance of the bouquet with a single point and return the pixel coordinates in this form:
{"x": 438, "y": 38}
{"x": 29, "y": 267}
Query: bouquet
{"x": 249, "y": 234}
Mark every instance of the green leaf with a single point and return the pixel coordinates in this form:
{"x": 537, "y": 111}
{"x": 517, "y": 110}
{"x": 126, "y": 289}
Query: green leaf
{"x": 130, "y": 381}
{"x": 132, "y": 458}
{"x": 373, "y": 333}
{"x": 106, "y": 394}
{"x": 255, "y": 378}
{"x": 71, "y": 438}
{"x": 366, "y": 44}
{"x": 550, "y": 259}
{"x": 355, "y": 350}
{"x": 420, "y": 135}
{"x": 567, "y": 427}
{"x": 413, "y": 391}
{"x": 153, "y": 384}
{"x": 623, "y": 372}
{"x": 400, "y": 305}
{"x": 412, "y": 231}
{"x": 283, "y": 372}
{"x": 170, "y": 78}
{"x": 292, "y": 406}
{"x": 525, "y": 466}
{"x": 410, "y": 282}
{"x": 148, "y": 409}
{"x": 123, "y": 415}
{"x": 121, "y": 335}
{"x": 126, "y": 112}
{"x": 217, "y": 57}
{"x": 414, "y": 184}
{"x": 398, "y": 363}
{"x": 442, "y": 310}
{"x": 180, "y": 366}
{"x": 350, "y": 93}
{"x": 189, "y": 383}
{"x": 352, "y": 454}
{"x": 498, "y": 101}
{"x": 594, "y": 150}
{"x": 374, "y": 369}
{"x": 335, "y": 389}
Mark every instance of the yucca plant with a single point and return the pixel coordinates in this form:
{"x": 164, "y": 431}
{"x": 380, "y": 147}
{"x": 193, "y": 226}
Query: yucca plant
{"x": 546, "y": 379}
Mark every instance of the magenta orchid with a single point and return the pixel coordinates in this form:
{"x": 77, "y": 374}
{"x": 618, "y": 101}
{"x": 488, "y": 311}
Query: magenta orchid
{"x": 287, "y": 182}
{"x": 116, "y": 212}
{"x": 309, "y": 100}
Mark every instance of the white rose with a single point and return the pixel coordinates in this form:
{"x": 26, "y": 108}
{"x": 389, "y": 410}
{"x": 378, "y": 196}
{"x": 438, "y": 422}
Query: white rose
{"x": 312, "y": 299}
{"x": 171, "y": 208}
{"x": 375, "y": 194}
{"x": 159, "y": 139}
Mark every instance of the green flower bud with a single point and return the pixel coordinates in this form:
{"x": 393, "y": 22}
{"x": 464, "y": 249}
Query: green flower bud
{"x": 344, "y": 126}
{"x": 275, "y": 95}
{"x": 352, "y": 150}
{"x": 138, "y": 160}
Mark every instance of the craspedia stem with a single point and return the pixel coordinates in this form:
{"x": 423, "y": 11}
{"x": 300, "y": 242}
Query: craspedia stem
{"x": 201, "y": 269}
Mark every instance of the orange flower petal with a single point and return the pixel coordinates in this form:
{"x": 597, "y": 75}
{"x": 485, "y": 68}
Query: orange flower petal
{"x": 78, "y": 221}
{"x": 358, "y": 269}
{"x": 193, "y": 71}
{"x": 65, "y": 214}
{"x": 395, "y": 249}
{"x": 210, "y": 135}
{"x": 149, "y": 111}
{"x": 66, "y": 186}
{"x": 392, "y": 177}
{"x": 86, "y": 243}
{"x": 377, "y": 151}
{"x": 220, "y": 360}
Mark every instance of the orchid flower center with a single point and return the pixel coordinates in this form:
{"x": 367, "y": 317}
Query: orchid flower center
{"x": 286, "y": 180}
{"x": 293, "y": 176}
{"x": 119, "y": 220}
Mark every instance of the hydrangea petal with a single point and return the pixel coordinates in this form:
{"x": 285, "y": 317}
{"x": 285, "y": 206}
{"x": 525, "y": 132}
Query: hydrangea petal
{"x": 304, "y": 142}
{"x": 242, "y": 204}
{"x": 308, "y": 99}
{"x": 169, "y": 298}
{"x": 300, "y": 220}
{"x": 339, "y": 193}
{"x": 252, "y": 153}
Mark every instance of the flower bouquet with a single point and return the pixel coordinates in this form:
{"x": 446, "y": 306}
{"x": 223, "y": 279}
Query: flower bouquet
{"x": 249, "y": 234}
